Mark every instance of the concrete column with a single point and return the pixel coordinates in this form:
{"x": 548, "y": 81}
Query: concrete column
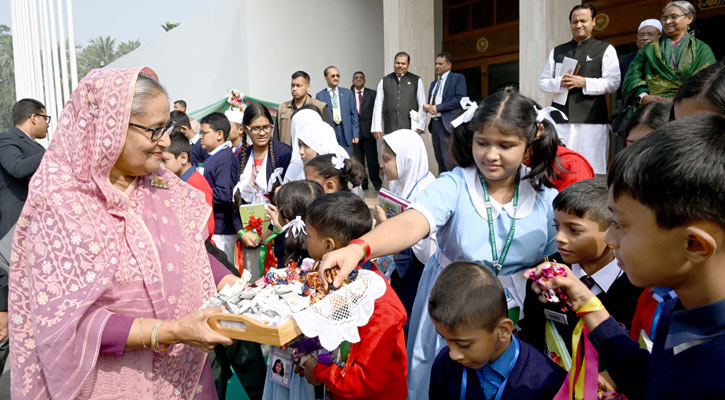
{"x": 543, "y": 24}
{"x": 410, "y": 26}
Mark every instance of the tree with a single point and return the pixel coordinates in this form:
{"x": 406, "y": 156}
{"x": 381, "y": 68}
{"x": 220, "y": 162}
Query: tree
{"x": 7, "y": 78}
{"x": 167, "y": 26}
{"x": 102, "y": 51}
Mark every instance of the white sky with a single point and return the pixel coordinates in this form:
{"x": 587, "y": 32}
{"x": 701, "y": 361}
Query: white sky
{"x": 124, "y": 20}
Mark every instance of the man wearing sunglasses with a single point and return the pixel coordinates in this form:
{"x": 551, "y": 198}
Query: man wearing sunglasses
{"x": 20, "y": 156}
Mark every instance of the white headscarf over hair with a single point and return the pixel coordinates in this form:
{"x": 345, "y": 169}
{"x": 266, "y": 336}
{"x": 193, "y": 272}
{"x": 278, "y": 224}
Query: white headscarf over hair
{"x": 302, "y": 118}
{"x": 320, "y": 137}
{"x": 412, "y": 162}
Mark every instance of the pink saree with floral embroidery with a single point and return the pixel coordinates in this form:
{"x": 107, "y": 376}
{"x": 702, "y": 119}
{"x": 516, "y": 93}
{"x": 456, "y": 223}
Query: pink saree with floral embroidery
{"x": 84, "y": 250}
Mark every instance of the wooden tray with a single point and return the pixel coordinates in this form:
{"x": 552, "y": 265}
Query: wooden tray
{"x": 255, "y": 331}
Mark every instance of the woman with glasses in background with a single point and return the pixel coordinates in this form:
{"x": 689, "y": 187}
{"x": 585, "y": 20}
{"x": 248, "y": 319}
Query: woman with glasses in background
{"x": 256, "y": 169}
{"x": 659, "y": 69}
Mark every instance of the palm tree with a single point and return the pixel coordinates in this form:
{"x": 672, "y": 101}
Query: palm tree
{"x": 167, "y": 26}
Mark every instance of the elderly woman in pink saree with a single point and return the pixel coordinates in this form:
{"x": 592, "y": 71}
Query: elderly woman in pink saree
{"x": 109, "y": 266}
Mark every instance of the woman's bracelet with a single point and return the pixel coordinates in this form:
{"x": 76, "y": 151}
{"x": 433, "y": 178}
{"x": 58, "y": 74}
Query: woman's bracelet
{"x": 155, "y": 338}
{"x": 365, "y": 246}
{"x": 140, "y": 333}
{"x": 593, "y": 304}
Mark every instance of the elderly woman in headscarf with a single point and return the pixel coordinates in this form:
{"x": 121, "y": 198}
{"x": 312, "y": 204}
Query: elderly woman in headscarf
{"x": 109, "y": 265}
{"x": 659, "y": 69}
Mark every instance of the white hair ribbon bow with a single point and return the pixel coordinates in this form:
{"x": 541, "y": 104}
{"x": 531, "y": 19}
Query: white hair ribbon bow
{"x": 275, "y": 177}
{"x": 296, "y": 226}
{"x": 338, "y": 162}
{"x": 545, "y": 113}
{"x": 470, "y": 107}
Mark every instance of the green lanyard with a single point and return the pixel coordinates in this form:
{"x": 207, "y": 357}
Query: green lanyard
{"x": 498, "y": 263}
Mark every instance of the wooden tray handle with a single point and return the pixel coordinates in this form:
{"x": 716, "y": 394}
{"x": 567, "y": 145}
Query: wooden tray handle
{"x": 254, "y": 331}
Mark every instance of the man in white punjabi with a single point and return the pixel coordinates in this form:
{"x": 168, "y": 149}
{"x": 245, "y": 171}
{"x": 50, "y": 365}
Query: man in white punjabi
{"x": 580, "y": 90}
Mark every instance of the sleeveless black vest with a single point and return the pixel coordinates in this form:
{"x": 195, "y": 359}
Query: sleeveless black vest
{"x": 398, "y": 99}
{"x": 581, "y": 108}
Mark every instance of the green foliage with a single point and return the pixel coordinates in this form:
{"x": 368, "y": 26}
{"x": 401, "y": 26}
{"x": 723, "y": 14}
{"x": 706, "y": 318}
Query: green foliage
{"x": 7, "y": 78}
{"x": 167, "y": 26}
{"x": 102, "y": 51}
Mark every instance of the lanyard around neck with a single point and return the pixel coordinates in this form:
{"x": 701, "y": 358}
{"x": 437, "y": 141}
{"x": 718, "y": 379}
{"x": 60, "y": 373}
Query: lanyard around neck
{"x": 499, "y": 260}
{"x": 499, "y": 392}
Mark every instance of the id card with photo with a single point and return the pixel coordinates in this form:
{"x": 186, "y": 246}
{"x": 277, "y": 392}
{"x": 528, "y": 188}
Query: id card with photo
{"x": 280, "y": 367}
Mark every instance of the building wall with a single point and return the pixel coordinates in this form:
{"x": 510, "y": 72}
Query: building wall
{"x": 255, "y": 46}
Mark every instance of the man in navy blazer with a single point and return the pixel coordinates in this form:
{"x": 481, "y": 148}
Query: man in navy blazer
{"x": 20, "y": 157}
{"x": 444, "y": 104}
{"x": 341, "y": 103}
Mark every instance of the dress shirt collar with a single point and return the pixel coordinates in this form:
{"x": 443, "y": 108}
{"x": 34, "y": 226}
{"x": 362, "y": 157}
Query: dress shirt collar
{"x": 218, "y": 149}
{"x": 604, "y": 278}
{"x": 195, "y": 139}
{"x": 445, "y": 75}
{"x": 696, "y": 325}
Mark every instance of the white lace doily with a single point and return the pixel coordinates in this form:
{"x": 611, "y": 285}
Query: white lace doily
{"x": 336, "y": 318}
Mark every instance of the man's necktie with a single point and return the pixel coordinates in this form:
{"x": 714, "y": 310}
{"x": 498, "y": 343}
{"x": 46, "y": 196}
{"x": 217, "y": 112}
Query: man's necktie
{"x": 587, "y": 281}
{"x": 435, "y": 92}
{"x": 336, "y": 114}
{"x": 359, "y": 101}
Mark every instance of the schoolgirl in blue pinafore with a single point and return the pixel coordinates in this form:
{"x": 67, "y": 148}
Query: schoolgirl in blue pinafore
{"x": 456, "y": 209}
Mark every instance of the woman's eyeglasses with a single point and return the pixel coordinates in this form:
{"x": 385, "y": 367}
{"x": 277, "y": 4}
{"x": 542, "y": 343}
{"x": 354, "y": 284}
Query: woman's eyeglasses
{"x": 673, "y": 17}
{"x": 156, "y": 133}
{"x": 258, "y": 129}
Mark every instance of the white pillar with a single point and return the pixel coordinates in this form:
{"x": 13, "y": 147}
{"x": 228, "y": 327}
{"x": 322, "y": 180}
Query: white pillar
{"x": 14, "y": 11}
{"x": 48, "y": 69}
{"x": 72, "y": 46}
{"x": 36, "y": 63}
{"x": 63, "y": 56}
{"x": 543, "y": 24}
{"x": 409, "y": 25}
{"x": 56, "y": 64}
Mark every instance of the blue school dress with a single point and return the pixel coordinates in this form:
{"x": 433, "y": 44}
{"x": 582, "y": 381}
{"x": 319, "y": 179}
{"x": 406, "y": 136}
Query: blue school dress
{"x": 456, "y": 213}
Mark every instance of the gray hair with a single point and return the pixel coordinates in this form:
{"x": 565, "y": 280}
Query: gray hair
{"x": 146, "y": 88}
{"x": 684, "y": 6}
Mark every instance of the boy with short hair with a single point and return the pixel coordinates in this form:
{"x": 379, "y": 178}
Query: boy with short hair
{"x": 376, "y": 367}
{"x": 214, "y": 133}
{"x": 483, "y": 359}
{"x": 176, "y": 158}
{"x": 184, "y": 125}
{"x": 666, "y": 193}
{"x": 581, "y": 217}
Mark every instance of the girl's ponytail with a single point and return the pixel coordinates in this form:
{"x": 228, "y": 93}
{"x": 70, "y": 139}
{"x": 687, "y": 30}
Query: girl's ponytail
{"x": 353, "y": 173}
{"x": 542, "y": 158}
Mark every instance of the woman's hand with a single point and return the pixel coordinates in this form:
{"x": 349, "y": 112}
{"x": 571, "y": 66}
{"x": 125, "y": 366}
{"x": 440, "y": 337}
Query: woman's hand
{"x": 249, "y": 240}
{"x": 379, "y": 214}
{"x": 650, "y": 98}
{"x": 273, "y": 213}
{"x": 346, "y": 258}
{"x": 193, "y": 329}
{"x": 578, "y": 293}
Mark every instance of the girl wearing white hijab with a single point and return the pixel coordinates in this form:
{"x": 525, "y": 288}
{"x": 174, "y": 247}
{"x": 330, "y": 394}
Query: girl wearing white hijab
{"x": 405, "y": 163}
{"x": 300, "y": 119}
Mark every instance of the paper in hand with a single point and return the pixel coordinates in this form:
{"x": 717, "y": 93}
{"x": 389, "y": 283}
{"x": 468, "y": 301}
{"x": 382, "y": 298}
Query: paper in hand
{"x": 567, "y": 65}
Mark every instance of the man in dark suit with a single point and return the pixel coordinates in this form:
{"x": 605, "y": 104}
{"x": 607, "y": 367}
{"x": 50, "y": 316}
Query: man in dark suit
{"x": 20, "y": 156}
{"x": 444, "y": 104}
{"x": 366, "y": 149}
{"x": 342, "y": 108}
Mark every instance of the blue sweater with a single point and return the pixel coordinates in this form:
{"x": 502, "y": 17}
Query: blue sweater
{"x": 198, "y": 154}
{"x": 534, "y": 377}
{"x": 218, "y": 172}
{"x": 694, "y": 373}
